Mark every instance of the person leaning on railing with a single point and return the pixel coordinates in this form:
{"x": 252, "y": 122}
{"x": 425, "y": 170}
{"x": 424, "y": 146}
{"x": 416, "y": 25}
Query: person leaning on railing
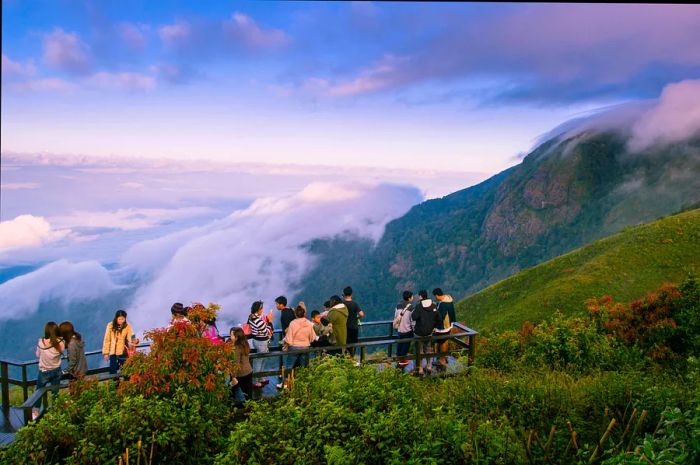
{"x": 49, "y": 351}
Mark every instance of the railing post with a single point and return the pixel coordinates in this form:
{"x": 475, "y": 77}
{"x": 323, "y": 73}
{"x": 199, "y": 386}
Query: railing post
{"x": 362, "y": 354}
{"x": 389, "y": 351}
{"x": 5, "y": 375}
{"x": 472, "y": 348}
{"x": 25, "y": 386}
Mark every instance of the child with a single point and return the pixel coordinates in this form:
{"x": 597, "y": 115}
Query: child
{"x": 115, "y": 344}
{"x": 48, "y": 351}
{"x": 323, "y": 329}
{"x": 77, "y": 363}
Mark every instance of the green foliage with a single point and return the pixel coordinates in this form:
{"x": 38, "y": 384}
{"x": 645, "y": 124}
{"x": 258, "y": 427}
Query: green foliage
{"x": 625, "y": 266}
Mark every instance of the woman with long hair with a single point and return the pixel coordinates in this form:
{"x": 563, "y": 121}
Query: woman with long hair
{"x": 244, "y": 387}
{"x": 118, "y": 336}
{"x": 77, "y": 363}
{"x": 49, "y": 350}
{"x": 260, "y": 333}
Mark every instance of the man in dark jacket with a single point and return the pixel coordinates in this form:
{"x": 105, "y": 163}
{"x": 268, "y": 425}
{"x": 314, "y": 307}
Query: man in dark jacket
{"x": 446, "y": 309}
{"x": 426, "y": 319}
{"x": 354, "y": 313}
{"x": 287, "y": 315}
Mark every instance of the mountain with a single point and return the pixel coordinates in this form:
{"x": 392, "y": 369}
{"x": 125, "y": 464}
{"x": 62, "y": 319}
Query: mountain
{"x": 568, "y": 192}
{"x": 626, "y": 266}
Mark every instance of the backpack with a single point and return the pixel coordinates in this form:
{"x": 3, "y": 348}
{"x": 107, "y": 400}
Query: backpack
{"x": 246, "y": 329}
{"x": 399, "y": 317}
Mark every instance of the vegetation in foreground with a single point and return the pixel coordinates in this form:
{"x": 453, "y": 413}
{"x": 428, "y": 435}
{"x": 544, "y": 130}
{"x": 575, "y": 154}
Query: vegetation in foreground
{"x": 570, "y": 390}
{"x": 625, "y": 266}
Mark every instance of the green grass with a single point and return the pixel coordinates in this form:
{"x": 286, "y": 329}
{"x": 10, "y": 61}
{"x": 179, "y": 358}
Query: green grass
{"x": 626, "y": 266}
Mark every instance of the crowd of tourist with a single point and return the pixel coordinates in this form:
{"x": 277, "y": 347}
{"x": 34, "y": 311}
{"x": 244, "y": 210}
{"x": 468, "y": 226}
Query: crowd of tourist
{"x": 334, "y": 327}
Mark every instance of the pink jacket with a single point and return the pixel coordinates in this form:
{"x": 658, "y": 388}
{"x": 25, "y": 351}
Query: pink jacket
{"x": 300, "y": 333}
{"x": 211, "y": 334}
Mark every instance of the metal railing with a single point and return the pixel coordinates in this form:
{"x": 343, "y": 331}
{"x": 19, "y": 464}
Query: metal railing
{"x": 463, "y": 338}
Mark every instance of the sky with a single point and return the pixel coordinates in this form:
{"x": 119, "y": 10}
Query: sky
{"x": 449, "y": 86}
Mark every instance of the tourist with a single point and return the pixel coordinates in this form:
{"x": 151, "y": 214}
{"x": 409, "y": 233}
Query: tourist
{"x": 426, "y": 318}
{"x": 117, "y": 337}
{"x": 446, "y": 309}
{"x": 77, "y": 363}
{"x": 354, "y": 314}
{"x": 211, "y": 332}
{"x": 300, "y": 335}
{"x": 403, "y": 322}
{"x": 48, "y": 351}
{"x": 287, "y": 315}
{"x": 323, "y": 329}
{"x": 338, "y": 316}
{"x": 243, "y": 382}
{"x": 179, "y": 314}
{"x": 260, "y": 335}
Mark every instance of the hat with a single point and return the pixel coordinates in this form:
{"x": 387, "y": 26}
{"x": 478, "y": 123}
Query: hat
{"x": 177, "y": 309}
{"x": 256, "y": 306}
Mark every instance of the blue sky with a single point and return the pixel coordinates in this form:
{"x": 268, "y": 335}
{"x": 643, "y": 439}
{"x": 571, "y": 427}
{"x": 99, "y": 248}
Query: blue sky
{"x": 464, "y": 87}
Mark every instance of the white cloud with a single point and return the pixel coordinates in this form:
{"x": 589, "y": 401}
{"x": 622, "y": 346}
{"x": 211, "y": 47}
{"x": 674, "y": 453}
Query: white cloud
{"x": 121, "y": 81}
{"x": 256, "y": 252}
{"x": 65, "y": 51}
{"x": 243, "y": 28}
{"x": 61, "y": 280}
{"x": 174, "y": 33}
{"x": 12, "y": 68}
{"x": 134, "y": 35}
{"x": 44, "y": 85}
{"x": 675, "y": 117}
{"x": 20, "y": 185}
{"x": 126, "y": 219}
{"x": 28, "y": 231}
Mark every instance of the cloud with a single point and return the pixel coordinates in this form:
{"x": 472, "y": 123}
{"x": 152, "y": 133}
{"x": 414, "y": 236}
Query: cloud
{"x": 127, "y": 219}
{"x": 20, "y": 185}
{"x": 257, "y": 252}
{"x": 121, "y": 81}
{"x": 243, "y": 29}
{"x": 12, "y": 69}
{"x": 134, "y": 35}
{"x": 44, "y": 85}
{"x": 62, "y": 280}
{"x": 675, "y": 117}
{"x": 543, "y": 53}
{"x": 28, "y": 231}
{"x": 65, "y": 51}
{"x": 173, "y": 34}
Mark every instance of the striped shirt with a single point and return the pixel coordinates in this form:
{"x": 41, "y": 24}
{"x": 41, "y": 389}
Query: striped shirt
{"x": 259, "y": 329}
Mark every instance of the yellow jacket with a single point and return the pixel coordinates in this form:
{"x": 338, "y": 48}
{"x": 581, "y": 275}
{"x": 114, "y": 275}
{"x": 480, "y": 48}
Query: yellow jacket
{"x": 114, "y": 341}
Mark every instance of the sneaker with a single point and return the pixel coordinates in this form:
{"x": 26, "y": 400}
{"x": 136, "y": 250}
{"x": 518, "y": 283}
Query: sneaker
{"x": 403, "y": 363}
{"x": 265, "y": 382}
{"x": 357, "y": 364}
{"x": 35, "y": 414}
{"x": 279, "y": 385}
{"x": 258, "y": 385}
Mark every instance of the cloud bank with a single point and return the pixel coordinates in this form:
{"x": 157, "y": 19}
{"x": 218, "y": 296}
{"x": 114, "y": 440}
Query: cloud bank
{"x": 257, "y": 253}
{"x": 28, "y": 231}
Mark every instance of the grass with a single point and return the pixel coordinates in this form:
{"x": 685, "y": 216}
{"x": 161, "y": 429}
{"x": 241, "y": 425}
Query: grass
{"x": 626, "y": 266}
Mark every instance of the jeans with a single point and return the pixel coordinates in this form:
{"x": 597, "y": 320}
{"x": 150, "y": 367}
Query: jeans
{"x": 353, "y": 336}
{"x": 116, "y": 362}
{"x": 424, "y": 346}
{"x": 260, "y": 347}
{"x": 296, "y": 360}
{"x": 52, "y": 377}
{"x": 403, "y": 348}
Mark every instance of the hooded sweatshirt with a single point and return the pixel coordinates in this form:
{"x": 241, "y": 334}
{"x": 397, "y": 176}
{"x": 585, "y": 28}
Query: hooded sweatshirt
{"x": 300, "y": 333}
{"x": 49, "y": 357}
{"x": 405, "y": 310}
{"x": 338, "y": 316}
{"x": 426, "y": 317}
{"x": 446, "y": 308}
{"x": 77, "y": 363}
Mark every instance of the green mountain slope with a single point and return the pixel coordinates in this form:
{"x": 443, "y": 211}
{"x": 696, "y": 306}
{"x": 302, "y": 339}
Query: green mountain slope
{"x": 626, "y": 266}
{"x": 565, "y": 194}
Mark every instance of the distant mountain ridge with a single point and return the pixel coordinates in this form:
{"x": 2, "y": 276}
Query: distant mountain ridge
{"x": 568, "y": 192}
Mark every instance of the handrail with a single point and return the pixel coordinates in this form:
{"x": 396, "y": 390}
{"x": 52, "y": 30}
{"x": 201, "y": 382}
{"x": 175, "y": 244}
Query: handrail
{"x": 276, "y": 351}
